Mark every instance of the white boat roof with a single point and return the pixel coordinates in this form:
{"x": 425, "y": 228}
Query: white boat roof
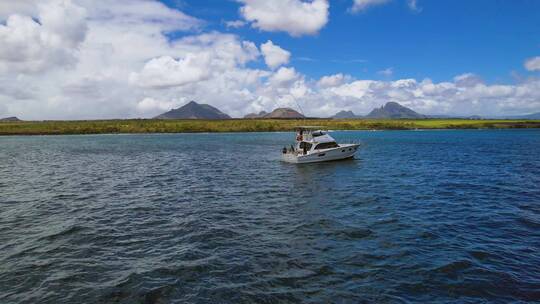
{"x": 312, "y": 128}
{"x": 322, "y": 139}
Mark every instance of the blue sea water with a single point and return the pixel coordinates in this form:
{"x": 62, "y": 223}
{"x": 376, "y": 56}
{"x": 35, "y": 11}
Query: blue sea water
{"x": 427, "y": 216}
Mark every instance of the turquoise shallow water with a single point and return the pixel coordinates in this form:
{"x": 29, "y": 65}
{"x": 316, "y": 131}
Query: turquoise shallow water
{"x": 427, "y": 216}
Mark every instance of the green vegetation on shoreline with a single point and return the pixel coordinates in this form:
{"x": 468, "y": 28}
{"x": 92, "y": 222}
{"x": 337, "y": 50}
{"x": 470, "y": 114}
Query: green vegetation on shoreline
{"x": 246, "y": 125}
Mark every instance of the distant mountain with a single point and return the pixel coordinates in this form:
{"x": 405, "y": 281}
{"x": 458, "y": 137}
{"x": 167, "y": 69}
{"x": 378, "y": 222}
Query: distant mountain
{"x": 193, "y": 110}
{"x": 526, "y": 116}
{"x": 443, "y": 116}
{"x": 393, "y": 110}
{"x": 532, "y": 116}
{"x": 284, "y": 113}
{"x": 10, "y": 119}
{"x": 345, "y": 115}
{"x": 255, "y": 115}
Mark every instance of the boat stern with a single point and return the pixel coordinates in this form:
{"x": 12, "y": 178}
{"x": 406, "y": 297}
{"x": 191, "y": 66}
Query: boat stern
{"x": 290, "y": 158}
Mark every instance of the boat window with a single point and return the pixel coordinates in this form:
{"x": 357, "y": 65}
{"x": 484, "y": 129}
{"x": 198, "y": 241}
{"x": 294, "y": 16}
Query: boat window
{"x": 317, "y": 133}
{"x": 327, "y": 145}
{"x": 306, "y": 145}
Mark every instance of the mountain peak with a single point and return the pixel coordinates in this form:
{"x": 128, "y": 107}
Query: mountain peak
{"x": 10, "y": 119}
{"x": 393, "y": 110}
{"x": 255, "y": 115}
{"x": 345, "y": 115}
{"x": 194, "y": 110}
{"x": 277, "y": 113}
{"x": 392, "y": 104}
{"x": 284, "y": 113}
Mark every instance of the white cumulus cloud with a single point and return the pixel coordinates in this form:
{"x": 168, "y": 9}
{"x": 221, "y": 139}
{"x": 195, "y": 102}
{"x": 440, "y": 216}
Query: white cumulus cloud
{"x": 21, "y": 7}
{"x": 274, "y": 56}
{"x": 296, "y": 17}
{"x": 413, "y": 6}
{"x": 165, "y": 71}
{"x": 360, "y": 5}
{"x": 533, "y": 64}
{"x": 235, "y": 23}
{"x": 467, "y": 79}
{"x": 284, "y": 76}
{"x": 84, "y": 59}
{"x": 32, "y": 45}
{"x": 386, "y": 72}
{"x": 152, "y": 105}
{"x": 332, "y": 80}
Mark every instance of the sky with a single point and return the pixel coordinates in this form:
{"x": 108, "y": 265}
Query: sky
{"x": 85, "y": 59}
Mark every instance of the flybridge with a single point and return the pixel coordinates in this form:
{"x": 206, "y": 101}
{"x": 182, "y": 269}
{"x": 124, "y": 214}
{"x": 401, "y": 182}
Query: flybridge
{"x": 313, "y": 134}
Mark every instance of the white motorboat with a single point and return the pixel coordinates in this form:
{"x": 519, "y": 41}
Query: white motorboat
{"x": 313, "y": 144}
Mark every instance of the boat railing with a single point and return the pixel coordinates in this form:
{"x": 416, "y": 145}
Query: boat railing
{"x": 305, "y": 136}
{"x": 351, "y": 141}
{"x": 291, "y": 150}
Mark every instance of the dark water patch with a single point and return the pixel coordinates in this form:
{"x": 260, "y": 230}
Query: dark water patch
{"x": 455, "y": 268}
{"x": 63, "y": 232}
{"x": 355, "y": 233}
{"x": 529, "y": 221}
{"x": 428, "y": 235}
{"x": 480, "y": 255}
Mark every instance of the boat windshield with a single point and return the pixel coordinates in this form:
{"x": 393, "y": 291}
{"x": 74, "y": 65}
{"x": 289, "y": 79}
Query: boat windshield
{"x": 327, "y": 145}
{"x": 317, "y": 133}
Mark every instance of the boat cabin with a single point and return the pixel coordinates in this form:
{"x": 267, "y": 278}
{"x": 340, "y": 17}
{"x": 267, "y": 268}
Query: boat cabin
{"x": 310, "y": 139}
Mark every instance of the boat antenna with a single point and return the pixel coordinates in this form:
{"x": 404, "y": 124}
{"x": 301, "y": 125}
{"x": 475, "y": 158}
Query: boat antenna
{"x": 298, "y": 105}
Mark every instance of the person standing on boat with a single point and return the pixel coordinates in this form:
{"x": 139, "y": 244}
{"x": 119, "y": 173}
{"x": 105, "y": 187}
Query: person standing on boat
{"x": 299, "y": 137}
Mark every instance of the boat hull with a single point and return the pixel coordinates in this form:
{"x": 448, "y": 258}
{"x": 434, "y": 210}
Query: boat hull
{"x": 344, "y": 151}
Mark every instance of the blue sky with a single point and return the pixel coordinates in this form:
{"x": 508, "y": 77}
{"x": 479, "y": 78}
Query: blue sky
{"x": 490, "y": 38}
{"x": 86, "y": 59}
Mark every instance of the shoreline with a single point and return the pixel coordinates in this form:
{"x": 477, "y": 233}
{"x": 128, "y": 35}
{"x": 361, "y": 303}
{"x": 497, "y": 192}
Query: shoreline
{"x": 152, "y": 126}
